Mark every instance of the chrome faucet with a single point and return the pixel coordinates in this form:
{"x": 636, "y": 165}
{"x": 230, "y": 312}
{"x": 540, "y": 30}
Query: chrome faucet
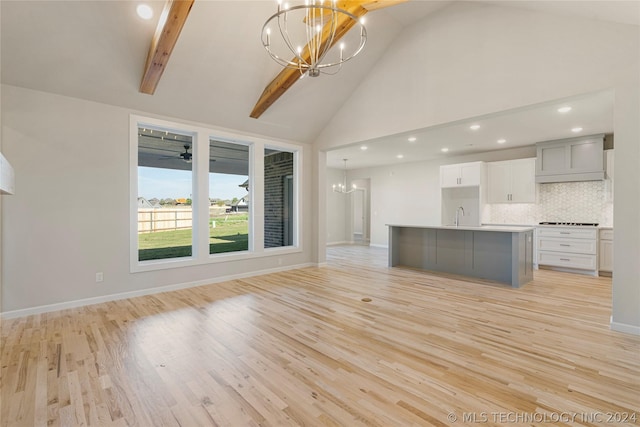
{"x": 460, "y": 208}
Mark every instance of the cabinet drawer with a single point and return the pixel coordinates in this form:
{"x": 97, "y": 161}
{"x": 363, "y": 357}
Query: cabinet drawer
{"x": 606, "y": 234}
{"x": 583, "y": 262}
{"x": 566, "y": 232}
{"x": 579, "y": 246}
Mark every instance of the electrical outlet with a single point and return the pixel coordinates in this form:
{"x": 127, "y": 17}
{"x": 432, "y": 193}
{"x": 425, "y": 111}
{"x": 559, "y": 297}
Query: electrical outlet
{"x": 279, "y": 261}
{"x": 99, "y": 277}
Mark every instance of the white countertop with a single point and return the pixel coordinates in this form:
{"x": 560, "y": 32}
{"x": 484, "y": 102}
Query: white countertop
{"x": 499, "y": 228}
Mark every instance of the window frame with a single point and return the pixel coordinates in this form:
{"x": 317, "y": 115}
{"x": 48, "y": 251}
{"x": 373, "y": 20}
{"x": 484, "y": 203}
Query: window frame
{"x": 200, "y": 186}
{"x": 297, "y": 184}
{"x": 251, "y": 172}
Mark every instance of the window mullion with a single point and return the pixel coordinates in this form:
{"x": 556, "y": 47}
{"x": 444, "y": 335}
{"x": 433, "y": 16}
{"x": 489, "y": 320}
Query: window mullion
{"x": 257, "y": 202}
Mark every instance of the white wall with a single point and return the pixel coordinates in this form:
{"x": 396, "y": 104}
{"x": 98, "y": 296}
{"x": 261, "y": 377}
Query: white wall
{"x": 70, "y": 217}
{"x": 0, "y": 152}
{"x": 337, "y": 209}
{"x": 626, "y": 205}
{"x": 473, "y": 59}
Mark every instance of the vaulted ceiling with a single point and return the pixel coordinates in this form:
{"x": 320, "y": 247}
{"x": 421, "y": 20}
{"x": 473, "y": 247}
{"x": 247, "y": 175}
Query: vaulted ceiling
{"x": 96, "y": 50}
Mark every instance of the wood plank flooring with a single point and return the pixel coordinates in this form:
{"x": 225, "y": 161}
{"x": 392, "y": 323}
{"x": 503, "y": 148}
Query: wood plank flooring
{"x": 302, "y": 348}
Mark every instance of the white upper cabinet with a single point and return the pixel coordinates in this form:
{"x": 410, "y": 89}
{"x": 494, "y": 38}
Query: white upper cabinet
{"x": 461, "y": 175}
{"x": 512, "y": 181}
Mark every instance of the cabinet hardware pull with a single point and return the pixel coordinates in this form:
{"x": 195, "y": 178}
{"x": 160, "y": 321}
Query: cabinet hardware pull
{"x": 565, "y": 232}
{"x": 565, "y": 259}
{"x": 562, "y": 244}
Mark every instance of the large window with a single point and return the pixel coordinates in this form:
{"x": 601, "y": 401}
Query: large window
{"x": 165, "y": 185}
{"x": 279, "y": 198}
{"x": 202, "y": 196}
{"x": 228, "y": 196}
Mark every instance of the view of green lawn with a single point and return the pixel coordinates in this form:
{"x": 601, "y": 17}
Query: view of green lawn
{"x": 230, "y": 234}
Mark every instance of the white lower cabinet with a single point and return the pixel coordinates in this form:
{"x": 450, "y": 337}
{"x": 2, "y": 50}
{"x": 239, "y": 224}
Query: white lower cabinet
{"x": 568, "y": 247}
{"x": 556, "y": 259}
{"x": 605, "y": 251}
{"x": 574, "y": 246}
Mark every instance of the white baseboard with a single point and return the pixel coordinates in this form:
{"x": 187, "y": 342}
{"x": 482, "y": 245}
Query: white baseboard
{"x": 623, "y": 327}
{"x": 376, "y": 245}
{"x": 343, "y": 242}
{"x": 593, "y": 273}
{"x": 149, "y": 291}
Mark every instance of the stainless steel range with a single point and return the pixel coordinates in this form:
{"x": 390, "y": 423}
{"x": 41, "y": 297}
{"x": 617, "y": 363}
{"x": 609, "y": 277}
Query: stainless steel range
{"x": 581, "y": 224}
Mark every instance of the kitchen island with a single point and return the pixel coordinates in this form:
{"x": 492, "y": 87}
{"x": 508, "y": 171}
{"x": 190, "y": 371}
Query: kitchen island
{"x": 499, "y": 253}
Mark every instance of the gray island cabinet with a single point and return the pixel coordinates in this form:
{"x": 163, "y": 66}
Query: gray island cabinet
{"x": 499, "y": 253}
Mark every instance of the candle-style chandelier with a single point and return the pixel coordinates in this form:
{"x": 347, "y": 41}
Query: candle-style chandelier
{"x": 301, "y": 36}
{"x": 342, "y": 188}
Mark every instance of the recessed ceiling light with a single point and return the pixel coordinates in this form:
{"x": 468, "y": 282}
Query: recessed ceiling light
{"x": 565, "y": 109}
{"x": 363, "y": 147}
{"x": 412, "y": 139}
{"x": 144, "y": 11}
{"x": 502, "y": 141}
{"x": 444, "y": 150}
{"x": 400, "y": 156}
{"x": 474, "y": 127}
{"x": 576, "y": 129}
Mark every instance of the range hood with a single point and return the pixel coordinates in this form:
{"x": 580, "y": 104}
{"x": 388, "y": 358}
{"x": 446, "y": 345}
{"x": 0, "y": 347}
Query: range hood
{"x": 573, "y": 159}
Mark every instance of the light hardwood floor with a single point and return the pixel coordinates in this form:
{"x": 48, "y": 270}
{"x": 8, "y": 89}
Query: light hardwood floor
{"x": 302, "y": 348}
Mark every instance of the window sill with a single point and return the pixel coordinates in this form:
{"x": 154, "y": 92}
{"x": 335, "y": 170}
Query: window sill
{"x": 164, "y": 264}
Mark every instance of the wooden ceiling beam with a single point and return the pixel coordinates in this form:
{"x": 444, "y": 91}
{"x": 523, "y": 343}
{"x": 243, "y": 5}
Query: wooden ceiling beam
{"x": 372, "y": 5}
{"x": 167, "y": 32}
{"x": 288, "y": 76}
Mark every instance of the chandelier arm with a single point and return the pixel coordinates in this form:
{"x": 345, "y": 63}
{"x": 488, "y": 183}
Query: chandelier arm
{"x": 309, "y": 30}
{"x": 329, "y": 44}
{"x": 363, "y": 40}
{"x": 336, "y": 68}
{"x": 323, "y": 48}
{"x": 284, "y": 62}
{"x": 287, "y": 40}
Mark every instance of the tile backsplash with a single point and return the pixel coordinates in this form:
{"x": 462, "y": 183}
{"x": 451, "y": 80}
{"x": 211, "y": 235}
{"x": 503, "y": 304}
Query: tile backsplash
{"x": 562, "y": 201}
